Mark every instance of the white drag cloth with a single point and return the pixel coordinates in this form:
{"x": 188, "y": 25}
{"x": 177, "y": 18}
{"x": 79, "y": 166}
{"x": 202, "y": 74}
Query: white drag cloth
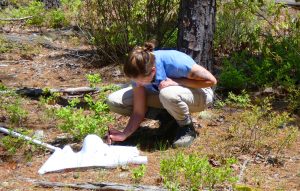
{"x": 94, "y": 153}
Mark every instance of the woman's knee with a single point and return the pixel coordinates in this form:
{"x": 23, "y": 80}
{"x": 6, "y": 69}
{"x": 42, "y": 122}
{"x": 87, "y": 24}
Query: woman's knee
{"x": 121, "y": 101}
{"x": 120, "y": 98}
{"x": 169, "y": 96}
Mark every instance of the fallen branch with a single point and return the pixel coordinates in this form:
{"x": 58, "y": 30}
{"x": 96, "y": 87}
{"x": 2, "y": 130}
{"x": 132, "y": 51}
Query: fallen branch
{"x": 95, "y": 186}
{"x": 15, "y": 19}
{"x": 75, "y": 91}
{"x": 13, "y": 61}
{"x": 288, "y": 3}
{"x": 36, "y": 92}
{"x": 240, "y": 177}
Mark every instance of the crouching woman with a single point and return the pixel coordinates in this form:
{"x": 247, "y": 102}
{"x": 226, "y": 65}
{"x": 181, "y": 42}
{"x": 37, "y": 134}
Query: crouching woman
{"x": 165, "y": 79}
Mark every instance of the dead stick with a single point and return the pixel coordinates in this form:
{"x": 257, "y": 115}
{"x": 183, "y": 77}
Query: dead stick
{"x": 292, "y": 4}
{"x": 13, "y": 61}
{"x": 15, "y": 19}
{"x": 75, "y": 90}
{"x": 242, "y": 171}
{"x": 95, "y": 186}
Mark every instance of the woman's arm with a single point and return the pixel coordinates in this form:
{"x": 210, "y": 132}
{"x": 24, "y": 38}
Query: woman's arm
{"x": 137, "y": 116}
{"x": 198, "y": 77}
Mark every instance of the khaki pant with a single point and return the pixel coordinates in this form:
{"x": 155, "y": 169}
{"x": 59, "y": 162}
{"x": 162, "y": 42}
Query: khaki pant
{"x": 177, "y": 100}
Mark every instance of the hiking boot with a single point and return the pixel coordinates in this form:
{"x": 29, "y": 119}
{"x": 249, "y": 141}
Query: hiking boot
{"x": 185, "y": 136}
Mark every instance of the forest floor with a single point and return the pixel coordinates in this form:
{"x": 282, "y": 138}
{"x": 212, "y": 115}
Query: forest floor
{"x": 60, "y": 59}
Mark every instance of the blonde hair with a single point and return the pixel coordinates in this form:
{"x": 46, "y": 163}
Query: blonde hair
{"x": 141, "y": 60}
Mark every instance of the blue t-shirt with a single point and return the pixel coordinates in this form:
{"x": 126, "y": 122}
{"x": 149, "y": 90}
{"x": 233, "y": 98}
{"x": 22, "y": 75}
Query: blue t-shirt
{"x": 170, "y": 64}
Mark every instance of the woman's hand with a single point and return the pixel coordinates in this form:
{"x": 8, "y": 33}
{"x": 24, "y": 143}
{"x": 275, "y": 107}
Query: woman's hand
{"x": 115, "y": 135}
{"x": 167, "y": 82}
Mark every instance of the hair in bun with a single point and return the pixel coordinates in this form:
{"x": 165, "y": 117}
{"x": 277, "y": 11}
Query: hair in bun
{"x": 149, "y": 46}
{"x": 141, "y": 61}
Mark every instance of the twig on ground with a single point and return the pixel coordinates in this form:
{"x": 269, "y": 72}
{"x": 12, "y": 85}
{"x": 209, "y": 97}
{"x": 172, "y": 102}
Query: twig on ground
{"x": 13, "y": 61}
{"x": 15, "y": 19}
{"x": 94, "y": 186}
{"x": 240, "y": 177}
{"x": 287, "y": 3}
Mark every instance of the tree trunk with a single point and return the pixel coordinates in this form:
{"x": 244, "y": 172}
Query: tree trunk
{"x": 197, "y": 20}
{"x": 51, "y": 4}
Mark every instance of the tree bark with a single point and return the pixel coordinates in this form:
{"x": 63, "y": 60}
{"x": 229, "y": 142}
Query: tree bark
{"x": 197, "y": 20}
{"x": 51, "y": 4}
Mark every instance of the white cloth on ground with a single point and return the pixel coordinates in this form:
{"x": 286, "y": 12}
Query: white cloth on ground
{"x": 94, "y": 153}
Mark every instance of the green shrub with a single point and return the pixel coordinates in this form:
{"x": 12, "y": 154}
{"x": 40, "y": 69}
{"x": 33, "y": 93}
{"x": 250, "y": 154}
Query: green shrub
{"x": 115, "y": 27}
{"x": 68, "y": 12}
{"x": 236, "y": 26}
{"x": 34, "y": 9}
{"x": 243, "y": 100}
{"x": 93, "y": 79}
{"x": 57, "y": 18}
{"x": 266, "y": 45}
{"x": 80, "y": 123}
{"x": 15, "y": 112}
{"x": 232, "y": 78}
{"x": 2, "y": 87}
{"x": 294, "y": 99}
{"x": 49, "y": 98}
{"x": 255, "y": 129}
{"x": 71, "y": 9}
{"x": 194, "y": 173}
{"x": 13, "y": 144}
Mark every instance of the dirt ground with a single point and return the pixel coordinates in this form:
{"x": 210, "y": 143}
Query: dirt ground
{"x": 62, "y": 59}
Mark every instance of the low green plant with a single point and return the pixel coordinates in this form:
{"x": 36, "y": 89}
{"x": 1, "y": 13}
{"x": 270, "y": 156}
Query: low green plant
{"x": 15, "y": 112}
{"x": 242, "y": 100}
{"x": 191, "y": 172}
{"x": 57, "y": 19}
{"x": 16, "y": 144}
{"x": 71, "y": 9}
{"x": 2, "y": 87}
{"x": 13, "y": 144}
{"x": 80, "y": 123}
{"x": 255, "y": 129}
{"x": 93, "y": 79}
{"x": 294, "y": 99}
{"x": 34, "y": 9}
{"x": 260, "y": 41}
{"x": 232, "y": 78}
{"x": 219, "y": 104}
{"x": 96, "y": 106}
{"x": 161, "y": 145}
{"x": 111, "y": 87}
{"x": 49, "y": 97}
{"x": 138, "y": 173}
